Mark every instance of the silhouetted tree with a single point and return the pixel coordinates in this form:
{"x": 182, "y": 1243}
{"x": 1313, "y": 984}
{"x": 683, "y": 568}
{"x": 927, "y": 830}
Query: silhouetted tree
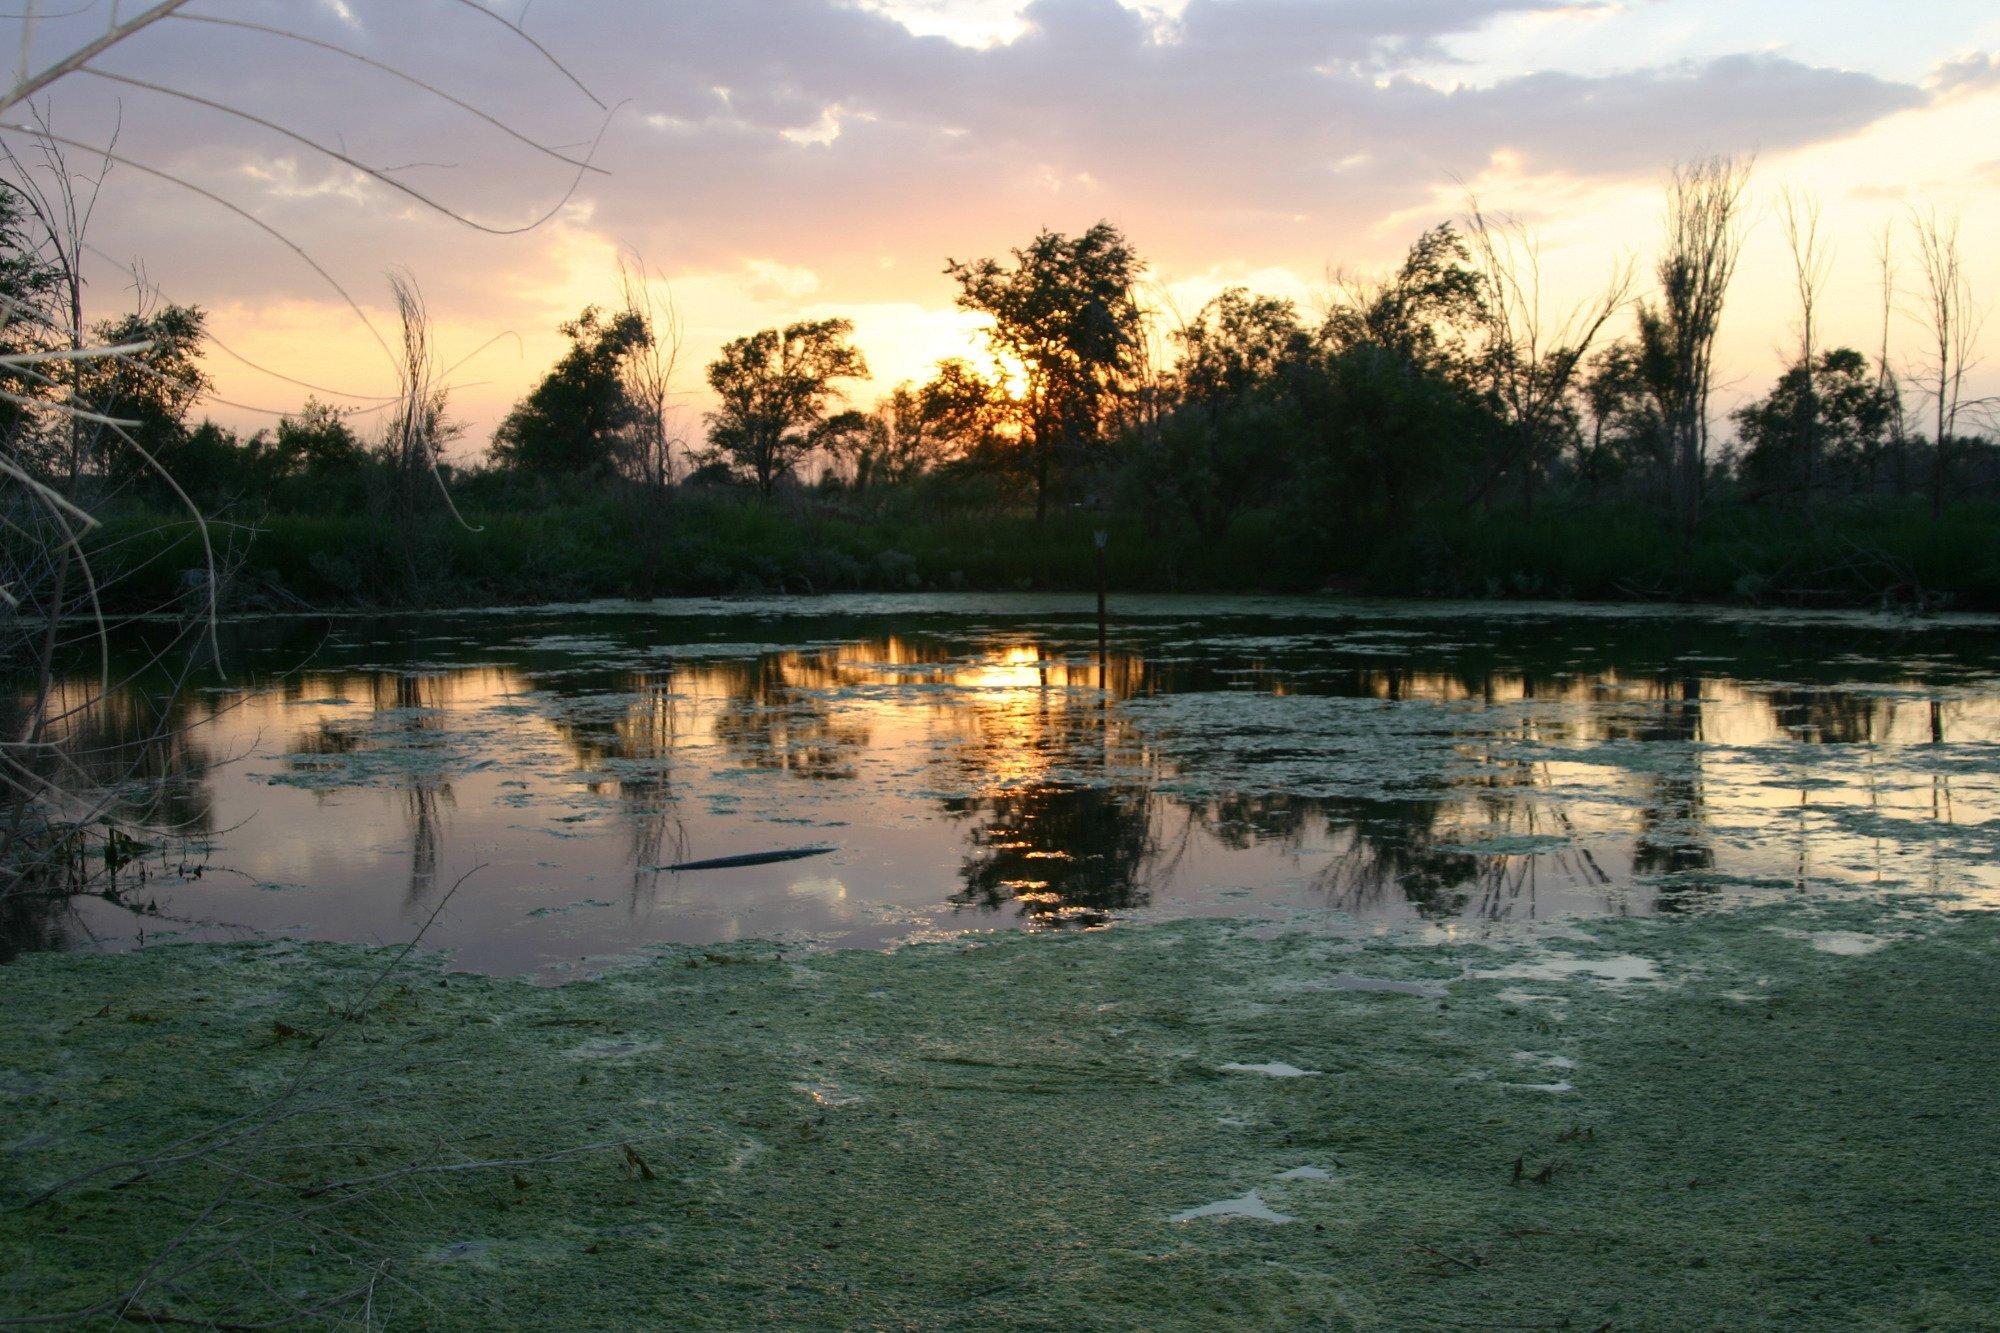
{"x": 1426, "y": 313}
{"x": 316, "y": 443}
{"x": 1396, "y": 404}
{"x": 1837, "y": 413}
{"x": 1531, "y": 358}
{"x": 1885, "y": 373}
{"x": 1064, "y": 312}
{"x": 574, "y": 423}
{"x": 778, "y": 389}
{"x": 28, "y": 323}
{"x": 1811, "y": 266}
{"x": 155, "y": 388}
{"x": 1221, "y": 444}
{"x": 1704, "y": 240}
{"x": 647, "y": 373}
{"x": 1625, "y": 432}
{"x": 1951, "y": 321}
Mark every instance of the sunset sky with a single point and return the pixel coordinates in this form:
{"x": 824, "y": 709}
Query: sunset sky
{"x": 781, "y": 159}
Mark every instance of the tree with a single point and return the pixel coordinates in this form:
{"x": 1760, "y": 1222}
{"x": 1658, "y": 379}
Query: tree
{"x": 414, "y": 437}
{"x": 316, "y": 443}
{"x": 916, "y": 428}
{"x": 1625, "y": 429}
{"x": 648, "y": 375}
{"x": 1236, "y": 343}
{"x": 1385, "y": 434}
{"x": 1424, "y": 313}
{"x": 1951, "y": 321}
{"x": 1885, "y": 373}
{"x": 1704, "y": 240}
{"x": 1220, "y": 441}
{"x": 898, "y": 443}
{"x": 55, "y": 202}
{"x": 967, "y": 413}
{"x": 576, "y": 421}
{"x": 778, "y": 389}
{"x": 1785, "y": 445}
{"x": 1395, "y": 404}
{"x": 1064, "y": 312}
{"x": 155, "y": 387}
{"x": 1812, "y": 264}
{"x": 1530, "y": 359}
{"x": 28, "y": 290}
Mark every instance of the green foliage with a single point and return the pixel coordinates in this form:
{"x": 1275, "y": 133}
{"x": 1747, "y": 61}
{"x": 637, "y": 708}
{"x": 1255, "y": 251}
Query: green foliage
{"x": 1823, "y": 426}
{"x": 1361, "y": 454}
{"x": 949, "y": 532}
{"x": 577, "y": 420}
{"x": 777, "y": 389}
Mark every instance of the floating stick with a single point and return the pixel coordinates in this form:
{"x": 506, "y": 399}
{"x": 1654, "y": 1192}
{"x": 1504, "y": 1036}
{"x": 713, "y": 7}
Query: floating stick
{"x": 751, "y": 859}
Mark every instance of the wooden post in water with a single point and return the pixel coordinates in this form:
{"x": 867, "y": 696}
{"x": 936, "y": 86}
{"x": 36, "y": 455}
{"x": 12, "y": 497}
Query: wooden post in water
{"x": 1103, "y": 650}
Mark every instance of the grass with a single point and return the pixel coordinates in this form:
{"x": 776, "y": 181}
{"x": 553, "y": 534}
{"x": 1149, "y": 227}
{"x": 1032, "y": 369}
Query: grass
{"x": 723, "y": 543}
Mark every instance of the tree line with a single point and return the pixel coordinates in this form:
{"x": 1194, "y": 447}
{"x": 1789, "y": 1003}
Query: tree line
{"x": 1453, "y": 381}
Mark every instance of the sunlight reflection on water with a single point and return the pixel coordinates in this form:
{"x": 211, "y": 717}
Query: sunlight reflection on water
{"x": 1453, "y": 765}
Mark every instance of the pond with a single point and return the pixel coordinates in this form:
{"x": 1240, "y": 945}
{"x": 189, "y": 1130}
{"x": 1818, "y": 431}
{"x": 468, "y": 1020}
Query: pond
{"x": 1452, "y": 767}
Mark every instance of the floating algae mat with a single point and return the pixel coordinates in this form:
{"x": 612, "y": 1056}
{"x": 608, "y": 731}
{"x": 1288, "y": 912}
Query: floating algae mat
{"x": 1462, "y": 767}
{"x": 1635, "y": 1123}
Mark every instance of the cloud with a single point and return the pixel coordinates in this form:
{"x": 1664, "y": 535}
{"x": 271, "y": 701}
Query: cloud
{"x": 1972, "y": 73}
{"x": 828, "y": 152}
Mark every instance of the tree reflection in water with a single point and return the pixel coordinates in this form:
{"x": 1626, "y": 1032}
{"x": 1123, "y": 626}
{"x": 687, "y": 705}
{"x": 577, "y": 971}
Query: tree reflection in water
{"x": 1483, "y": 772}
{"x": 136, "y": 749}
{"x": 1063, "y": 854}
{"x": 771, "y": 722}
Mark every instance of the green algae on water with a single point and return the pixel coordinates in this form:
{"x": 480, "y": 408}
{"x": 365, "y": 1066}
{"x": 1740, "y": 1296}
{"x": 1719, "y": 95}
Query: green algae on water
{"x": 1757, "y": 1131}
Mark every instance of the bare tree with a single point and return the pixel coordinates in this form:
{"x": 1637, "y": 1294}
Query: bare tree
{"x": 1886, "y": 380}
{"x": 648, "y": 372}
{"x": 1532, "y": 357}
{"x": 1703, "y": 243}
{"x": 1812, "y": 264}
{"x": 1952, "y": 322}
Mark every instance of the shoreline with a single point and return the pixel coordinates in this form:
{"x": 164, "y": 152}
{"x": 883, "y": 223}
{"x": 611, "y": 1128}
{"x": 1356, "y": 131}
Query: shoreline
{"x": 994, "y": 601}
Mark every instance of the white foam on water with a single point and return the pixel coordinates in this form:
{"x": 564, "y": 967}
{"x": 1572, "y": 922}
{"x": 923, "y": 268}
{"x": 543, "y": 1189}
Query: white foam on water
{"x": 1249, "y": 1206}
{"x": 1617, "y": 970}
{"x": 1273, "y": 1069}
{"x": 1546, "y": 1061}
{"x": 1846, "y": 943}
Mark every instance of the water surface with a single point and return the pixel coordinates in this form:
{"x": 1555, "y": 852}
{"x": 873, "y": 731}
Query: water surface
{"x": 974, "y": 769}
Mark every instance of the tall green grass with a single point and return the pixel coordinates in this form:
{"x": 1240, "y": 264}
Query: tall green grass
{"x": 724, "y": 543}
